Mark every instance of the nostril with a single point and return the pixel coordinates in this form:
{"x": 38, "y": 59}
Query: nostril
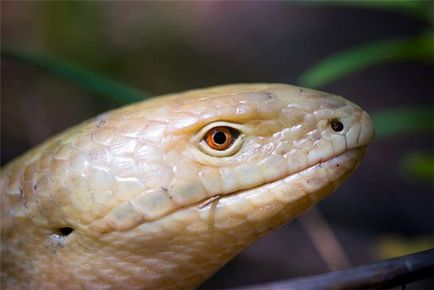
{"x": 336, "y": 125}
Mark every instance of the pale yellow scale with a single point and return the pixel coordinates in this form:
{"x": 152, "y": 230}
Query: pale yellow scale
{"x": 160, "y": 194}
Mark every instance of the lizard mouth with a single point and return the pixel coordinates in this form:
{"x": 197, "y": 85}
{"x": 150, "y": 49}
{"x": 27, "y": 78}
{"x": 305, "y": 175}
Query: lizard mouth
{"x": 307, "y": 182}
{"x": 310, "y": 185}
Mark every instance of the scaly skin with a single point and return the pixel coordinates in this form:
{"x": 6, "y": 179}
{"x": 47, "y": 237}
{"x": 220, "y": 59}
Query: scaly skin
{"x": 151, "y": 207}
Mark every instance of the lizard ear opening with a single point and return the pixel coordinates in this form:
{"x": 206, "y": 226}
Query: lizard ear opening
{"x": 65, "y": 231}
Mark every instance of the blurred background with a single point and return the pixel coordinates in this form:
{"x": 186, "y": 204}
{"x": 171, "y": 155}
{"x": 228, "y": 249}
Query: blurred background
{"x": 64, "y": 62}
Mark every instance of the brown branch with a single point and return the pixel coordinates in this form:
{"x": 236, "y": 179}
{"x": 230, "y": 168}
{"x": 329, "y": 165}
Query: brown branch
{"x": 384, "y": 274}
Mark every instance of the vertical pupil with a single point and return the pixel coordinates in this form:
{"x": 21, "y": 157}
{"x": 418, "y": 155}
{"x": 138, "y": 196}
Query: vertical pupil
{"x": 219, "y": 138}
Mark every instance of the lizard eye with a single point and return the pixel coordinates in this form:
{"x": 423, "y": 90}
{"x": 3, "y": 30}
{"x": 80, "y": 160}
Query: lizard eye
{"x": 221, "y": 137}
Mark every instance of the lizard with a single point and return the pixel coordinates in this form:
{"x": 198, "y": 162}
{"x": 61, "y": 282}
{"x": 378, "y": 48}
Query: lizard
{"x": 162, "y": 193}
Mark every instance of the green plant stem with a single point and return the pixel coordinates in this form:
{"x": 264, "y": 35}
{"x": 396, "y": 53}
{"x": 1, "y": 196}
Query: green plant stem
{"x": 85, "y": 78}
{"x": 421, "y": 10}
{"x": 346, "y": 62}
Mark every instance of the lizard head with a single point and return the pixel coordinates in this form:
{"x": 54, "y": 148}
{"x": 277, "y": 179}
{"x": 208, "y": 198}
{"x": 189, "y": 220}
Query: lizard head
{"x": 162, "y": 193}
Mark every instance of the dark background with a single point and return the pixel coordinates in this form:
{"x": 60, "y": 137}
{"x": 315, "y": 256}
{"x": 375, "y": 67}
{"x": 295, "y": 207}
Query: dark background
{"x": 380, "y": 212}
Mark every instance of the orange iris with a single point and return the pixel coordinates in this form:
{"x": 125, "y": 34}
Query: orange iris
{"x": 219, "y": 138}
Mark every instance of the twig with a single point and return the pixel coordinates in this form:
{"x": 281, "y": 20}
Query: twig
{"x": 384, "y": 274}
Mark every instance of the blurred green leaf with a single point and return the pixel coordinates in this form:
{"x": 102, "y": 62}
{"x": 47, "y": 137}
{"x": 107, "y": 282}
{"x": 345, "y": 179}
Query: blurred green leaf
{"x": 391, "y": 246}
{"x": 418, "y": 165}
{"x": 402, "y": 120}
{"x": 355, "y": 59}
{"x": 85, "y": 78}
{"x": 419, "y": 9}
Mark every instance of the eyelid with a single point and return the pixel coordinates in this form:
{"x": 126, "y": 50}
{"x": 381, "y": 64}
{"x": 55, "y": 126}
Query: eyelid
{"x": 202, "y": 132}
